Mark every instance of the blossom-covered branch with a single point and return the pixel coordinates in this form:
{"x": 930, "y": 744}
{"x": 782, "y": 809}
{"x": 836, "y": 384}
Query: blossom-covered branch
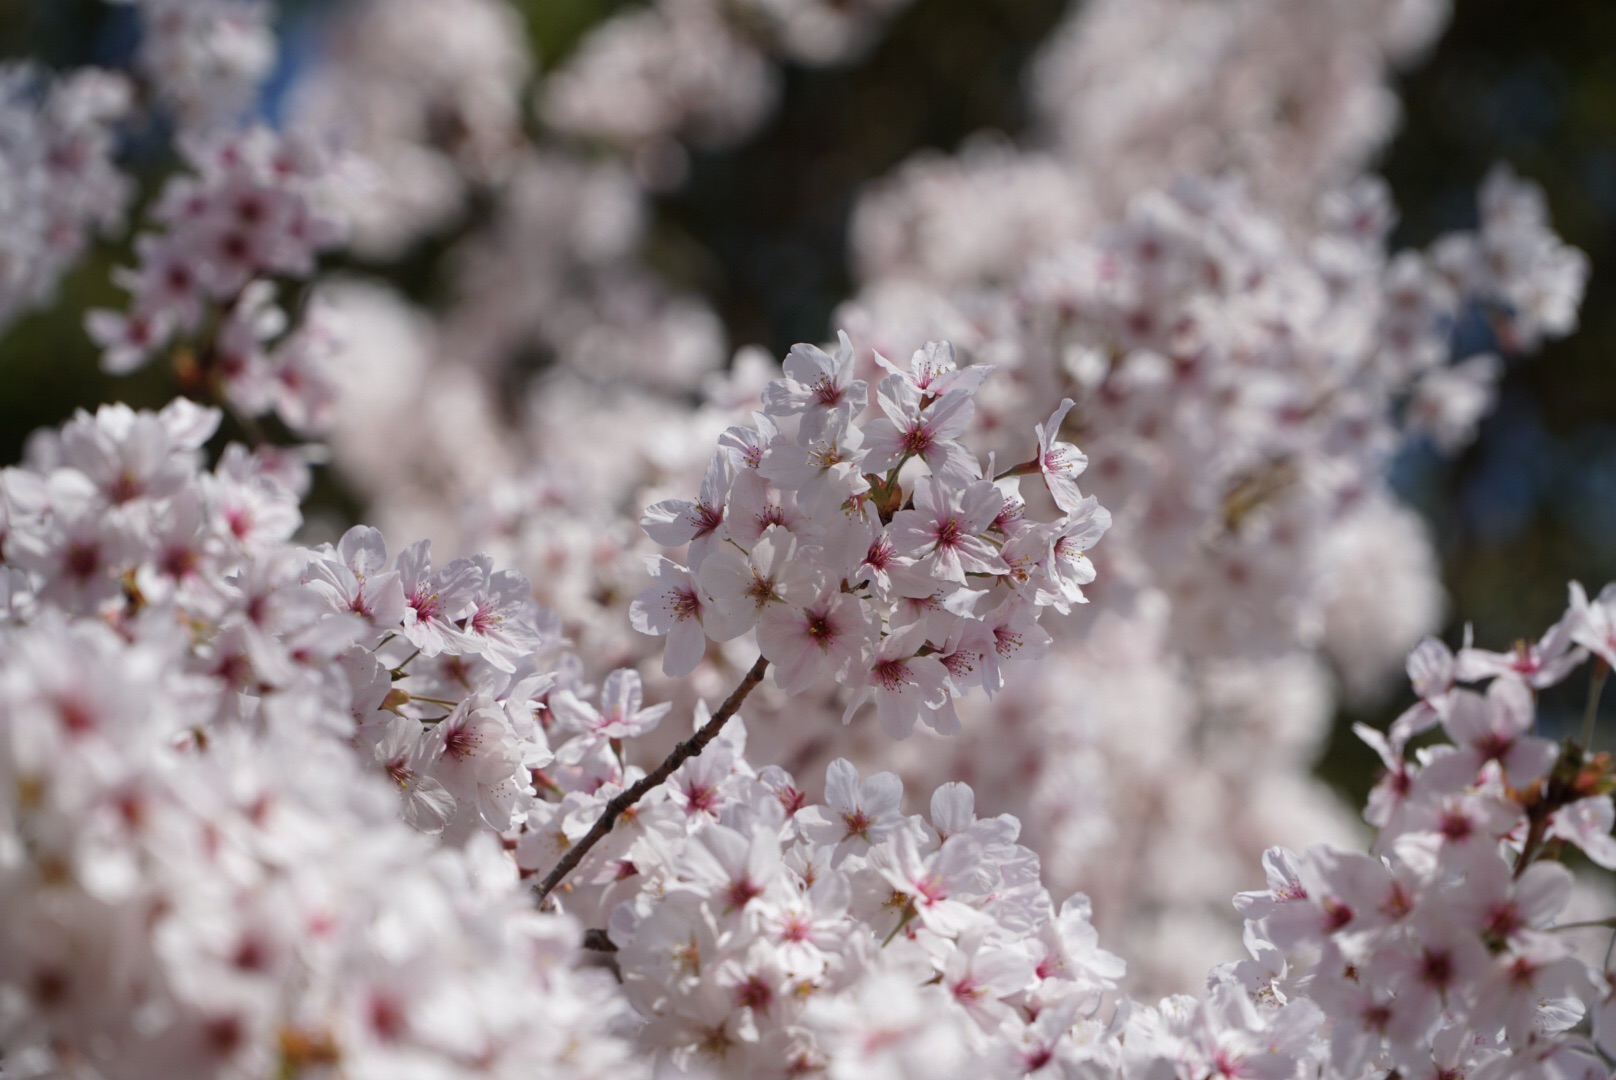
{"x": 276, "y": 807}
{"x": 625, "y": 801}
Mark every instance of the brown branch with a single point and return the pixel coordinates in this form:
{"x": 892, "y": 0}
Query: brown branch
{"x": 627, "y": 798}
{"x": 601, "y": 941}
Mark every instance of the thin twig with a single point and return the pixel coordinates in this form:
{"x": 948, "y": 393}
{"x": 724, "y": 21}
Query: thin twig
{"x": 1591, "y": 924}
{"x": 1596, "y": 684}
{"x": 1025, "y": 468}
{"x": 399, "y": 672}
{"x": 1537, "y": 824}
{"x": 627, "y": 798}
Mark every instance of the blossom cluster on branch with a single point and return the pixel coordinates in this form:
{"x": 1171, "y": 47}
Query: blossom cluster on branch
{"x": 250, "y": 215}
{"x": 60, "y": 187}
{"x": 277, "y": 807}
{"x": 805, "y": 529}
{"x": 204, "y": 872}
{"x": 204, "y": 860}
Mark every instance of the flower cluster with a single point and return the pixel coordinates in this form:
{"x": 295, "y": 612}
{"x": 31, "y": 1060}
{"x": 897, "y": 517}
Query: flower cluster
{"x": 697, "y": 70}
{"x": 57, "y": 181}
{"x": 761, "y": 934}
{"x": 676, "y": 69}
{"x": 1215, "y": 292}
{"x": 765, "y": 936}
{"x": 1238, "y": 381}
{"x": 450, "y": 678}
{"x": 111, "y": 516}
{"x": 268, "y": 809}
{"x": 227, "y": 766}
{"x": 427, "y": 94}
{"x": 205, "y": 734}
{"x": 114, "y": 520}
{"x": 1525, "y": 279}
{"x": 205, "y": 59}
{"x": 1241, "y": 380}
{"x": 1295, "y": 99}
{"x": 252, "y": 213}
{"x": 908, "y": 587}
{"x": 1445, "y": 948}
{"x": 1190, "y": 249}
{"x": 208, "y": 738}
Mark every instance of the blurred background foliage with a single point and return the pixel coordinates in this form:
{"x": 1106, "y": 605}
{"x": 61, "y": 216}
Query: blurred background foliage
{"x": 761, "y": 229}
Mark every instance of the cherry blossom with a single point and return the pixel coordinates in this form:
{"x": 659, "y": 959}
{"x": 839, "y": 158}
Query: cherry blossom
{"x": 914, "y": 428}
{"x": 825, "y": 636}
{"x": 269, "y": 809}
{"x": 1060, "y": 463}
{"x": 817, "y": 386}
{"x": 941, "y": 531}
{"x": 676, "y": 607}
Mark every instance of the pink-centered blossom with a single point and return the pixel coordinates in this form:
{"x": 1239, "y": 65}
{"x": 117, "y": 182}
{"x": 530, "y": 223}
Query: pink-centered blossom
{"x": 817, "y": 386}
{"x": 856, "y": 814}
{"x": 499, "y": 624}
{"x": 934, "y": 372}
{"x": 620, "y": 712}
{"x": 435, "y": 602}
{"x": 1060, "y": 463}
{"x": 675, "y": 523}
{"x": 824, "y": 468}
{"x": 1539, "y": 664}
{"x": 676, "y": 607}
{"x": 912, "y": 428}
{"x": 943, "y": 530}
{"x": 1493, "y": 728}
{"x": 772, "y": 573}
{"x": 906, "y": 686}
{"x": 823, "y": 637}
{"x": 935, "y": 883}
